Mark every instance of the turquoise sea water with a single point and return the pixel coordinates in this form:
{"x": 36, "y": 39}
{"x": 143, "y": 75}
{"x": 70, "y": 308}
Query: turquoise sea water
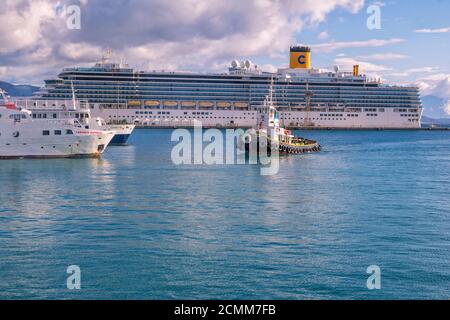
{"x": 141, "y": 228}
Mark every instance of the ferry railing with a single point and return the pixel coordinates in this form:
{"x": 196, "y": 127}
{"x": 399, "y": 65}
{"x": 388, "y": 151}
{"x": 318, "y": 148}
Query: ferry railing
{"x": 32, "y": 104}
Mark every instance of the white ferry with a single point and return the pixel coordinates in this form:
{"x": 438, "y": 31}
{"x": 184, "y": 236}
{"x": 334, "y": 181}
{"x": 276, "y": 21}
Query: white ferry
{"x": 21, "y": 136}
{"x": 305, "y": 97}
{"x": 75, "y": 109}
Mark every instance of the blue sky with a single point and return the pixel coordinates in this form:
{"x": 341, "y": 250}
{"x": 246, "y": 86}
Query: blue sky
{"x": 399, "y": 20}
{"x": 205, "y": 35}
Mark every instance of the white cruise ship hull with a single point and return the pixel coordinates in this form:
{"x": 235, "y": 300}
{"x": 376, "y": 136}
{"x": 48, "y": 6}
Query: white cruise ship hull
{"x": 304, "y": 96}
{"x": 387, "y": 119}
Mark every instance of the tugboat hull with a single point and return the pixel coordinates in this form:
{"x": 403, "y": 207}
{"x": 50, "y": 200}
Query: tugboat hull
{"x": 305, "y": 146}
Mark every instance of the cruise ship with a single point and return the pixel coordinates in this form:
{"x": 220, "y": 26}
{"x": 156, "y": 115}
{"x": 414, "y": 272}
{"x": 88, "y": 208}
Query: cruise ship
{"x": 306, "y": 97}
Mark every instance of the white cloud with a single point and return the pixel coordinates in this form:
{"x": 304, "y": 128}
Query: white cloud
{"x": 3, "y": 71}
{"x": 316, "y": 11}
{"x": 332, "y": 46}
{"x": 183, "y": 34}
{"x": 422, "y": 70}
{"x": 379, "y": 4}
{"x": 268, "y": 67}
{"x": 22, "y": 23}
{"x": 441, "y": 30}
{"x": 383, "y": 56}
{"x": 446, "y": 107}
{"x": 80, "y": 51}
{"x": 442, "y": 88}
{"x": 436, "y": 84}
{"x": 415, "y": 71}
{"x": 370, "y": 69}
{"x": 323, "y": 35}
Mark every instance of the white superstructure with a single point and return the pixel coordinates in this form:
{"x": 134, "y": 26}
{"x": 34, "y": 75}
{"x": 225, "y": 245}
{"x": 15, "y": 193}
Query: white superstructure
{"x": 75, "y": 109}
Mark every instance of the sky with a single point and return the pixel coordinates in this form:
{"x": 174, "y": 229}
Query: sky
{"x": 411, "y": 44}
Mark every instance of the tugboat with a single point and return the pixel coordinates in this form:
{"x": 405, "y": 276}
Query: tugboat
{"x": 270, "y": 135}
{"x": 24, "y": 137}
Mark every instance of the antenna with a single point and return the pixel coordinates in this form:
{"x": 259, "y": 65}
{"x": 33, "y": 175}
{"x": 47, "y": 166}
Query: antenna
{"x": 4, "y": 97}
{"x": 106, "y": 56}
{"x": 6, "y": 103}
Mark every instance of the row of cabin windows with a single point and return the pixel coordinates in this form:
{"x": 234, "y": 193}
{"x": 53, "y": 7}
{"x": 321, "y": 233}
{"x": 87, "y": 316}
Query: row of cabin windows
{"x": 55, "y": 116}
{"x": 180, "y": 117}
{"x": 57, "y": 132}
{"x": 410, "y": 115}
{"x": 43, "y": 116}
{"x": 163, "y": 112}
{"x": 150, "y": 112}
{"x": 17, "y": 117}
{"x": 331, "y": 115}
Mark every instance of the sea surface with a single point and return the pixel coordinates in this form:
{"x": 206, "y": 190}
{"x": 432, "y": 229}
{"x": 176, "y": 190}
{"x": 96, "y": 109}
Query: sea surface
{"x": 140, "y": 227}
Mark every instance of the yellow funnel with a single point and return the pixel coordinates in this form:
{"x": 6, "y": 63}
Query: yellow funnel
{"x": 356, "y": 70}
{"x": 300, "y": 58}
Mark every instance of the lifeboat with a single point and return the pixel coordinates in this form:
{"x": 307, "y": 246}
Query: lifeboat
{"x": 188, "y": 104}
{"x": 240, "y": 105}
{"x": 170, "y": 103}
{"x": 134, "y": 103}
{"x": 152, "y": 103}
{"x": 224, "y": 104}
{"x": 206, "y": 104}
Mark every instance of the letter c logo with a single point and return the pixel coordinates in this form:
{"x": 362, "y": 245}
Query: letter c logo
{"x": 301, "y": 59}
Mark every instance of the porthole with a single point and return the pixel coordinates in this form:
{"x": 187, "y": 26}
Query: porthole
{"x": 16, "y": 134}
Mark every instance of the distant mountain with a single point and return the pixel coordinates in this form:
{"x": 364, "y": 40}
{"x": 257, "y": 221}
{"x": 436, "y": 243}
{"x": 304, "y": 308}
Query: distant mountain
{"x": 434, "y": 107}
{"x": 426, "y": 122}
{"x": 18, "y": 90}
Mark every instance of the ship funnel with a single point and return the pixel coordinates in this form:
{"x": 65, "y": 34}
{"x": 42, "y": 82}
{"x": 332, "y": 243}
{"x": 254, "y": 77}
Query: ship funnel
{"x": 300, "y": 58}
{"x": 356, "y": 70}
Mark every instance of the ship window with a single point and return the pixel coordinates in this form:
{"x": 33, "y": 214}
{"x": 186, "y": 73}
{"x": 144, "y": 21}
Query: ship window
{"x": 69, "y": 132}
{"x": 45, "y": 133}
{"x": 57, "y": 132}
{"x": 54, "y": 116}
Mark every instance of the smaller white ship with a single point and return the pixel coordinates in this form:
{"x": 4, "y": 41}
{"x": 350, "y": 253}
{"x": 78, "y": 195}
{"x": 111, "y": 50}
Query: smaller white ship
{"x": 80, "y": 110}
{"x": 21, "y": 136}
